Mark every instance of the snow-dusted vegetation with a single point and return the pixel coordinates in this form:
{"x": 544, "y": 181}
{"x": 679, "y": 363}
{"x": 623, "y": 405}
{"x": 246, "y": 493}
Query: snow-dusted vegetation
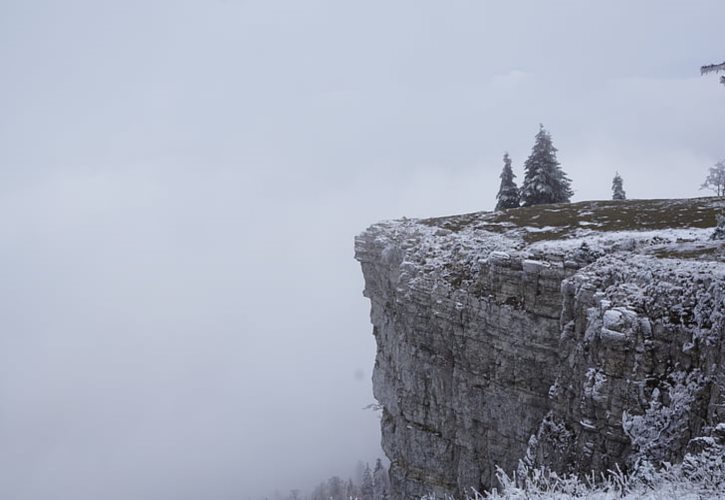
{"x": 700, "y": 476}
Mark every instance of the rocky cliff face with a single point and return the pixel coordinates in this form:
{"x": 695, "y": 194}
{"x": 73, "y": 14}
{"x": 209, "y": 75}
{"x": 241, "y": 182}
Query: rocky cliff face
{"x": 577, "y": 337}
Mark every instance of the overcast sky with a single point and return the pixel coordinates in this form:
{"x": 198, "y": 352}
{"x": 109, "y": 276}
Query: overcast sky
{"x": 181, "y": 182}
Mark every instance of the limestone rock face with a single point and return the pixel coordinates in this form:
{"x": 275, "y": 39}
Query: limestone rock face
{"x": 556, "y": 336}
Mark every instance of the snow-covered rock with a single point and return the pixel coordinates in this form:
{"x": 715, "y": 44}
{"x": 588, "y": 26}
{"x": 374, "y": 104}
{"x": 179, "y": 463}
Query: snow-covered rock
{"x": 520, "y": 335}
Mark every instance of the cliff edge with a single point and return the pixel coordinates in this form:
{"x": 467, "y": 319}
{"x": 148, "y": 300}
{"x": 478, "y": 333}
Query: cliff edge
{"x": 579, "y": 337}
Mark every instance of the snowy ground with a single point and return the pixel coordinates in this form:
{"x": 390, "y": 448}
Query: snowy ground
{"x": 454, "y": 247}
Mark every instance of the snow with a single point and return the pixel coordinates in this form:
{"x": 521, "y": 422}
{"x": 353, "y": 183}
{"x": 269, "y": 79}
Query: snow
{"x": 665, "y": 420}
{"x": 617, "y": 318}
{"x": 699, "y": 477}
{"x": 470, "y": 241}
{"x": 613, "y": 319}
{"x": 545, "y": 229}
{"x": 497, "y": 255}
{"x": 587, "y": 424}
{"x": 643, "y": 276}
{"x": 534, "y": 266}
{"x": 608, "y": 241}
{"x": 596, "y": 380}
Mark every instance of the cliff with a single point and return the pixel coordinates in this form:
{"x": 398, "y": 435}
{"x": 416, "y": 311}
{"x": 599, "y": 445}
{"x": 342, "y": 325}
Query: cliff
{"x": 578, "y": 336}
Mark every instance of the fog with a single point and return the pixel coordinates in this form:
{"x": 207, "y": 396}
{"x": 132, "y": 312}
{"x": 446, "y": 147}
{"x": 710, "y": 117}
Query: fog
{"x": 182, "y": 181}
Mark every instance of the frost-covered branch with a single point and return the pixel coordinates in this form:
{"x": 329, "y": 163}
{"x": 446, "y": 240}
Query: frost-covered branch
{"x": 714, "y": 68}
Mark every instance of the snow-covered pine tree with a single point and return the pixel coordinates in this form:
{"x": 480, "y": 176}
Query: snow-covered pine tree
{"x": 366, "y": 485}
{"x": 544, "y": 180}
{"x": 351, "y": 491}
{"x": 618, "y": 188}
{"x": 335, "y": 488}
{"x": 719, "y": 233}
{"x": 508, "y": 193}
{"x": 381, "y": 482}
{"x": 319, "y": 493}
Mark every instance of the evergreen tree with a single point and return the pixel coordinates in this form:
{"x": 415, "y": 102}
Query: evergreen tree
{"x": 544, "y": 180}
{"x": 319, "y": 493}
{"x": 335, "y": 488}
{"x": 366, "y": 485}
{"x": 508, "y": 193}
{"x": 359, "y": 472}
{"x": 351, "y": 491}
{"x": 381, "y": 482}
{"x": 719, "y": 233}
{"x": 617, "y": 188}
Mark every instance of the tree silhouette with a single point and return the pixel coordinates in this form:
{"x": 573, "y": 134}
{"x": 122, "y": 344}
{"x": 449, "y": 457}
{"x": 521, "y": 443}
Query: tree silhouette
{"x": 715, "y": 180}
{"x": 618, "y": 188}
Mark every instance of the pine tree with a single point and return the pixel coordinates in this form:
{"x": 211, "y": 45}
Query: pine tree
{"x": 350, "y": 490}
{"x": 719, "y": 233}
{"x": 359, "y": 472}
{"x": 366, "y": 485}
{"x": 319, "y": 493}
{"x": 617, "y": 188}
{"x": 381, "y": 483}
{"x": 335, "y": 488}
{"x": 508, "y": 193}
{"x": 544, "y": 180}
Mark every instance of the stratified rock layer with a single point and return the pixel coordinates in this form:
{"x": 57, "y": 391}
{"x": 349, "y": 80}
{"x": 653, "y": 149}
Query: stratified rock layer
{"x": 577, "y": 337}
